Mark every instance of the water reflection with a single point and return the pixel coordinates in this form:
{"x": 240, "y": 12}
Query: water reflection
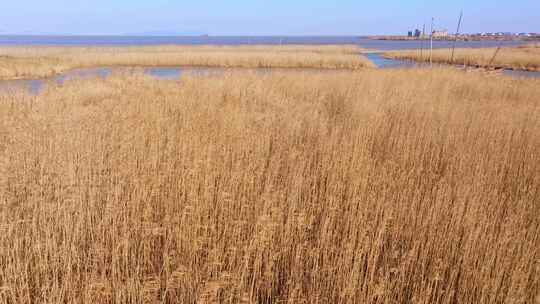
{"x": 36, "y": 86}
{"x": 521, "y": 74}
{"x": 33, "y": 86}
{"x": 387, "y": 63}
{"x": 164, "y": 73}
{"x": 83, "y": 74}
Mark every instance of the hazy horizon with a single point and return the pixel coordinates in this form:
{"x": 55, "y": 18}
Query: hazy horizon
{"x": 259, "y": 18}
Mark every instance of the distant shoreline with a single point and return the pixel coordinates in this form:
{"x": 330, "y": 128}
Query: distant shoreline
{"x": 460, "y": 38}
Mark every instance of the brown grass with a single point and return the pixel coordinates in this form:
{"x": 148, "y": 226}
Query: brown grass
{"x": 518, "y": 58}
{"x": 28, "y": 62}
{"x": 414, "y": 186}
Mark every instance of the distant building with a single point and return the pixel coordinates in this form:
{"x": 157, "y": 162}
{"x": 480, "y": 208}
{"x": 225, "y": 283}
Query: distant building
{"x": 417, "y": 33}
{"x": 440, "y": 34}
{"x": 410, "y": 34}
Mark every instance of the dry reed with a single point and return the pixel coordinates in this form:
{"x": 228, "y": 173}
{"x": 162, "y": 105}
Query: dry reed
{"x": 26, "y": 62}
{"x": 518, "y": 58}
{"x": 413, "y": 186}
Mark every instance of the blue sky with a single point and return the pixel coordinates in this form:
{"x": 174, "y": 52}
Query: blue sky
{"x": 262, "y": 17}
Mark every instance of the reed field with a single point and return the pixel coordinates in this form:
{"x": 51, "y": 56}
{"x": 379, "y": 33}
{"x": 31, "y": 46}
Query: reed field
{"x": 517, "y": 58}
{"x": 372, "y": 186}
{"x": 35, "y": 62}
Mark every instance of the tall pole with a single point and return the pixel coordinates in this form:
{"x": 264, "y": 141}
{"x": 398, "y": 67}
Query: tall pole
{"x": 495, "y": 54}
{"x": 431, "y": 47}
{"x": 422, "y": 43}
{"x": 456, "y": 37}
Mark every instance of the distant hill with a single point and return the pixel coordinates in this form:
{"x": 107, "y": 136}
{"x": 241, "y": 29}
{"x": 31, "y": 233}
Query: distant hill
{"x": 32, "y": 33}
{"x": 167, "y": 33}
{"x": 146, "y": 33}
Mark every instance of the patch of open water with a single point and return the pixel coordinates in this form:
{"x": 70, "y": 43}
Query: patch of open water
{"x": 387, "y": 63}
{"x": 36, "y": 86}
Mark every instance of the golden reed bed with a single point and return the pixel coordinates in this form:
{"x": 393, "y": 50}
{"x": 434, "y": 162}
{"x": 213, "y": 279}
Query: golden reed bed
{"x": 416, "y": 186}
{"x": 36, "y": 62}
{"x": 518, "y": 58}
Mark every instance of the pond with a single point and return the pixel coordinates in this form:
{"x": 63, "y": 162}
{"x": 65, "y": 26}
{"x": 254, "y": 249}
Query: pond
{"x": 387, "y": 63}
{"x": 36, "y": 86}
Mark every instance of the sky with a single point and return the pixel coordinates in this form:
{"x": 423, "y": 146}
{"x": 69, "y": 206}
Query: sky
{"x": 263, "y": 17}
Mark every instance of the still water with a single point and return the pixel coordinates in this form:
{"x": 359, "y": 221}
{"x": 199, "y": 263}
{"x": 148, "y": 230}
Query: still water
{"x": 383, "y": 45}
{"x": 35, "y": 86}
{"x": 387, "y": 63}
